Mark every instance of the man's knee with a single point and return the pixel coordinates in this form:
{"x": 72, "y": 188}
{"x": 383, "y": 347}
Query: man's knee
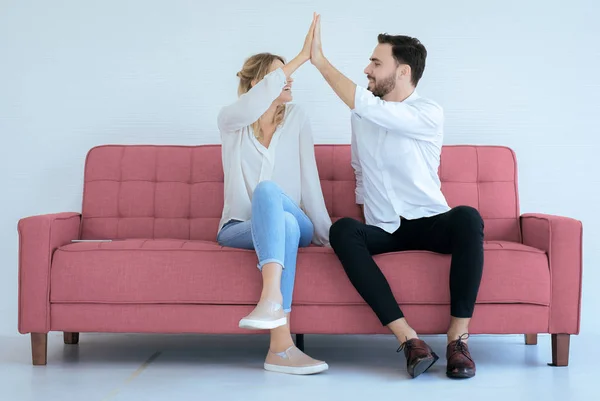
{"x": 342, "y": 229}
{"x": 467, "y": 219}
{"x": 467, "y": 214}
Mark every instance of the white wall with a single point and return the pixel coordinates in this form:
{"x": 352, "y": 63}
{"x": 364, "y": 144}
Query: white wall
{"x": 75, "y": 74}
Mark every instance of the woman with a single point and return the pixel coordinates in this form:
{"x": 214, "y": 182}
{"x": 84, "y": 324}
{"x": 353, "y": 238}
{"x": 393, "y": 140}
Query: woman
{"x": 273, "y": 199}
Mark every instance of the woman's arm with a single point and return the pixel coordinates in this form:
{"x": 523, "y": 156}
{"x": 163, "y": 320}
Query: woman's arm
{"x": 252, "y": 104}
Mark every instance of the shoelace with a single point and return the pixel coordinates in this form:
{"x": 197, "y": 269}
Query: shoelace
{"x": 409, "y": 345}
{"x": 461, "y": 346}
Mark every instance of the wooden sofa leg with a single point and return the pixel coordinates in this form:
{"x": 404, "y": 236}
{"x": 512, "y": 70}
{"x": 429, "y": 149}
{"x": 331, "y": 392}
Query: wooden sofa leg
{"x": 71, "y": 338}
{"x": 300, "y": 342}
{"x": 531, "y": 339}
{"x": 560, "y": 349}
{"x": 39, "y": 348}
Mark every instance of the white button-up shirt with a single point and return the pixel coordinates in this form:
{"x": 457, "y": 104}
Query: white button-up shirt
{"x": 396, "y": 150}
{"x": 289, "y": 160}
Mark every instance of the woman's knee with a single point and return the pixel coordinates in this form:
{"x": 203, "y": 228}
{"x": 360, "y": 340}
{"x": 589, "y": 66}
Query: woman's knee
{"x": 266, "y": 193}
{"x": 292, "y": 228}
{"x": 266, "y": 188}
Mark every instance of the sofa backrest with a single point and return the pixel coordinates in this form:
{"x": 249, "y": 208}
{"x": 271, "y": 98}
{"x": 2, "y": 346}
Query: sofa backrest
{"x": 146, "y": 191}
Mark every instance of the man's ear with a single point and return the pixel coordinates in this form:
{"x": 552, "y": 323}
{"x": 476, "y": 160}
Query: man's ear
{"x": 403, "y": 71}
{"x": 253, "y": 82}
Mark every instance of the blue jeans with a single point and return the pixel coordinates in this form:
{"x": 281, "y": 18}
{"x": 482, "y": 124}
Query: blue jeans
{"x": 276, "y": 230}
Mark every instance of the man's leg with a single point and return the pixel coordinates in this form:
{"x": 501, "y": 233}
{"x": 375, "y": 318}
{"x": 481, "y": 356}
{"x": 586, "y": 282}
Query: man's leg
{"x": 354, "y": 243}
{"x": 466, "y": 267}
{"x": 458, "y": 232}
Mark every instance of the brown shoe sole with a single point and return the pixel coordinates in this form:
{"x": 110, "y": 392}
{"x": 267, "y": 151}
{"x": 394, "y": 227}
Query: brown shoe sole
{"x": 422, "y": 365}
{"x": 461, "y": 373}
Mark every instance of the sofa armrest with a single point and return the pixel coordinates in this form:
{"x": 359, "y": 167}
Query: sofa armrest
{"x": 39, "y": 237}
{"x": 561, "y": 239}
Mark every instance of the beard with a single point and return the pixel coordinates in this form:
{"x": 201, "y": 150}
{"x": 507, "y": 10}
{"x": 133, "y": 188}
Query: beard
{"x": 384, "y": 86}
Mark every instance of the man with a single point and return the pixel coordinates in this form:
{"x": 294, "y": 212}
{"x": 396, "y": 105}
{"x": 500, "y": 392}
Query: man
{"x": 396, "y": 144}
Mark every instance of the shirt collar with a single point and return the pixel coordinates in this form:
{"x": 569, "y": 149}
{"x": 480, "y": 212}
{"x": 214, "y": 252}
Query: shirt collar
{"x": 413, "y": 96}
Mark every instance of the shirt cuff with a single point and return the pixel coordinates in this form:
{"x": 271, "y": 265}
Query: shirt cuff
{"x": 360, "y": 199}
{"x": 280, "y": 76}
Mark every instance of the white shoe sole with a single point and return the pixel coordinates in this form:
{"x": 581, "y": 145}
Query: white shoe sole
{"x": 297, "y": 370}
{"x": 262, "y": 324}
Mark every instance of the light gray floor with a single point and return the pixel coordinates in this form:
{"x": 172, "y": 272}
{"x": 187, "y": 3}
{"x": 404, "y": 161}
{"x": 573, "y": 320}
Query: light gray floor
{"x": 119, "y": 367}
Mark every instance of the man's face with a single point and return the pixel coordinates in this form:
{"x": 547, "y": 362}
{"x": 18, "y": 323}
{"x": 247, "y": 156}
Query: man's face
{"x": 382, "y": 71}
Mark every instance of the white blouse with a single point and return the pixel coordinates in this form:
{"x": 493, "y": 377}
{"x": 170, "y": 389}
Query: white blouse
{"x": 289, "y": 161}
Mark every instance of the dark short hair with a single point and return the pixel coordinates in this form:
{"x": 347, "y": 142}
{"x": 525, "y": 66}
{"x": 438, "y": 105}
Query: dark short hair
{"x": 407, "y": 50}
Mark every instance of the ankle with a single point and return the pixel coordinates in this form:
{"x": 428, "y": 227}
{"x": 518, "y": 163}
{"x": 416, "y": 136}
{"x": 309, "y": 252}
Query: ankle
{"x": 407, "y": 335}
{"x": 274, "y": 300}
{"x": 402, "y": 330}
{"x": 455, "y": 335}
{"x": 280, "y": 346}
{"x": 459, "y": 328}
{"x": 271, "y": 295}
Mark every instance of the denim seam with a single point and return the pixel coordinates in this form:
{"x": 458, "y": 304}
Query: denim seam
{"x": 272, "y": 260}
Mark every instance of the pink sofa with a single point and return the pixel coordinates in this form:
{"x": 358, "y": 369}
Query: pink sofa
{"x": 164, "y": 273}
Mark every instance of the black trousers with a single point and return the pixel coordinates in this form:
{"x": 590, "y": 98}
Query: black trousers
{"x": 458, "y": 232}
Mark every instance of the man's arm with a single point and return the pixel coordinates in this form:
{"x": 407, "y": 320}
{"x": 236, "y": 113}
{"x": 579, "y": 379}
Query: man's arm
{"x": 341, "y": 85}
{"x": 417, "y": 121}
{"x": 346, "y": 90}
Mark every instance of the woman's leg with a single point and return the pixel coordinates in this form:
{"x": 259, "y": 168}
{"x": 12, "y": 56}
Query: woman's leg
{"x": 269, "y": 205}
{"x": 276, "y": 234}
{"x": 283, "y": 356}
{"x": 298, "y": 232}
{"x": 281, "y": 337}
{"x": 236, "y": 234}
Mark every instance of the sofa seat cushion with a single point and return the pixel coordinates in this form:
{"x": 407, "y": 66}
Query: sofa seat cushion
{"x": 512, "y": 273}
{"x": 202, "y": 272}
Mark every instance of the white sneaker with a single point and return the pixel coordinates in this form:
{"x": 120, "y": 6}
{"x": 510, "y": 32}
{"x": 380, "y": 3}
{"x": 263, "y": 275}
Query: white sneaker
{"x": 266, "y": 315}
{"x": 294, "y": 362}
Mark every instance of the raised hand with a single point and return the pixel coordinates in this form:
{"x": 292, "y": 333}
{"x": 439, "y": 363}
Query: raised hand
{"x": 316, "y": 54}
{"x": 341, "y": 85}
{"x": 304, "y": 54}
{"x": 306, "y": 49}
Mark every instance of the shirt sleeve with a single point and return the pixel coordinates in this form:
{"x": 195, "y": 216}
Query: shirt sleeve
{"x": 251, "y": 105}
{"x": 420, "y": 119}
{"x": 359, "y": 191}
{"x": 311, "y": 194}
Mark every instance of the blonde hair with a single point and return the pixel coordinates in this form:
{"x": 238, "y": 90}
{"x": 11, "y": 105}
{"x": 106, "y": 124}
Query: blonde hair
{"x": 254, "y": 69}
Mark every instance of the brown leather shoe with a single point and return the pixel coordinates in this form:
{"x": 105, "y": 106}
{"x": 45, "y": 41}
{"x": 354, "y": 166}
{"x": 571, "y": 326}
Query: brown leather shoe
{"x": 419, "y": 356}
{"x": 460, "y": 364}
